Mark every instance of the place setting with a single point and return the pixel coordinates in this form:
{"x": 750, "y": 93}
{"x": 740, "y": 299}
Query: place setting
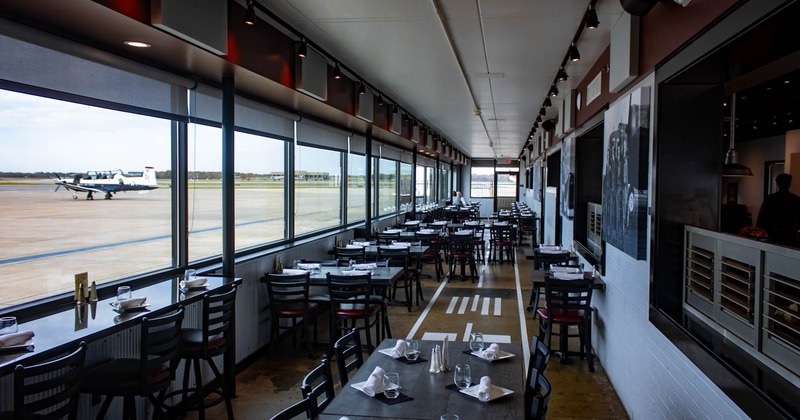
{"x": 11, "y": 339}
{"x": 191, "y": 282}
{"x": 405, "y": 351}
{"x": 383, "y": 386}
{"x": 127, "y": 303}
{"x": 491, "y": 353}
{"x": 484, "y": 390}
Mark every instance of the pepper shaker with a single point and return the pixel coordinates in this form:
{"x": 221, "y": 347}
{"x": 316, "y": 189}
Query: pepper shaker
{"x": 434, "y": 360}
{"x": 444, "y": 364}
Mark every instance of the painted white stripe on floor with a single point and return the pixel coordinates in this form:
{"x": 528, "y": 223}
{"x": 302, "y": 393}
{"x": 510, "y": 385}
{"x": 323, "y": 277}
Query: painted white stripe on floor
{"x": 452, "y": 305}
{"x": 485, "y": 306}
{"x": 497, "y": 302}
{"x": 496, "y": 338}
{"x": 526, "y": 348}
{"x": 439, "y": 336}
{"x": 467, "y": 332}
{"x": 480, "y": 280}
{"x": 427, "y": 309}
{"x": 463, "y": 307}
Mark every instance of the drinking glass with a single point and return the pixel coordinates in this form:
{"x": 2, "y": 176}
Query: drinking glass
{"x": 8, "y": 325}
{"x": 462, "y": 376}
{"x": 190, "y": 274}
{"x": 123, "y": 293}
{"x": 412, "y": 350}
{"x": 476, "y": 342}
{"x": 449, "y": 417}
{"x": 391, "y": 385}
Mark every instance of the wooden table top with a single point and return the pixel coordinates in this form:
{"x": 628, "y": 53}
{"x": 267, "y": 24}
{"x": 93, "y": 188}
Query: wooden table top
{"x": 431, "y": 398}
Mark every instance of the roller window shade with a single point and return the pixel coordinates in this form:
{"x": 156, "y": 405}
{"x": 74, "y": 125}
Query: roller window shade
{"x": 257, "y": 116}
{"x": 358, "y": 144}
{"x": 314, "y": 134}
{"x": 63, "y": 68}
{"x": 392, "y": 153}
{"x": 407, "y": 157}
{"x": 483, "y": 163}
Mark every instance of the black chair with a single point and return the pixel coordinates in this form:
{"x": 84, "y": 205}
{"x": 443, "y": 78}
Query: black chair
{"x": 344, "y": 254}
{"x": 318, "y": 384}
{"x": 295, "y": 410}
{"x": 346, "y": 347}
{"x": 462, "y": 249}
{"x": 146, "y": 375}
{"x": 501, "y": 239}
{"x": 399, "y": 258}
{"x": 537, "y": 399}
{"x": 205, "y": 343}
{"x": 432, "y": 255}
{"x": 568, "y": 303}
{"x": 288, "y": 299}
{"x": 527, "y": 227}
{"x": 385, "y": 238}
{"x": 351, "y": 302}
{"x": 537, "y": 364}
{"x": 538, "y": 286}
{"x": 544, "y": 259}
{"x": 49, "y": 389}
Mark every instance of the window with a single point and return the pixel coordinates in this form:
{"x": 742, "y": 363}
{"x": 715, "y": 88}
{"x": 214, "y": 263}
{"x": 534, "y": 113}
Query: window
{"x": 356, "y": 187}
{"x": 444, "y": 183}
{"x": 429, "y": 185}
{"x": 387, "y": 187}
{"x": 420, "y": 187}
{"x": 317, "y": 193}
{"x": 482, "y": 182}
{"x": 44, "y": 139}
{"x": 405, "y": 185}
{"x": 205, "y": 191}
{"x": 506, "y": 184}
{"x": 259, "y": 188}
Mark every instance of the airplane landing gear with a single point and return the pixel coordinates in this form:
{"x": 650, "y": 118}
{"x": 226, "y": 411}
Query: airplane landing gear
{"x": 89, "y": 196}
{"x": 74, "y": 196}
{"x": 108, "y": 196}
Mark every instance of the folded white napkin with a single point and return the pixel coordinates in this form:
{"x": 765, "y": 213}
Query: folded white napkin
{"x": 354, "y": 272}
{"x": 471, "y": 223}
{"x": 440, "y": 223}
{"x": 463, "y": 232}
{"x": 492, "y": 352}
{"x": 362, "y": 243}
{"x": 550, "y": 251}
{"x": 560, "y": 269}
{"x": 400, "y": 245}
{"x": 557, "y": 247}
{"x": 196, "y": 282}
{"x": 568, "y": 276}
{"x": 374, "y": 383}
{"x": 308, "y": 266}
{"x": 132, "y": 302}
{"x": 354, "y": 246}
{"x": 501, "y": 223}
{"x": 412, "y": 222}
{"x": 293, "y": 271}
{"x": 426, "y": 231}
{"x": 392, "y": 231}
{"x": 15, "y": 339}
{"x": 365, "y": 266}
{"x": 484, "y": 387}
{"x": 399, "y": 349}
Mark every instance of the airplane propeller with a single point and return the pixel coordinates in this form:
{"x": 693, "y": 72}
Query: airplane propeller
{"x": 58, "y": 185}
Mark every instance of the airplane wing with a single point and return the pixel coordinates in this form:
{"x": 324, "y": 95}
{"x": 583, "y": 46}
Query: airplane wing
{"x": 75, "y": 187}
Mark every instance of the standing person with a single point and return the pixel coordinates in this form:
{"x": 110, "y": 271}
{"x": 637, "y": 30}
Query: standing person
{"x": 780, "y": 213}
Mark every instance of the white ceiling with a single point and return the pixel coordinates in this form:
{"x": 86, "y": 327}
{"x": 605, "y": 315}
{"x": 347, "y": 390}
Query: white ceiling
{"x": 510, "y": 51}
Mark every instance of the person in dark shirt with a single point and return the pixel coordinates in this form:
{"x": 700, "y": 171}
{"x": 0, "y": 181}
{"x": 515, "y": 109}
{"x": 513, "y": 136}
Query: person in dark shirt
{"x": 780, "y": 213}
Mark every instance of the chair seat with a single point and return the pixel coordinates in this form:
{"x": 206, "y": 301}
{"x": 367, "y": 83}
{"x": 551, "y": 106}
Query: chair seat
{"x": 320, "y": 298}
{"x": 120, "y": 377}
{"x": 356, "y": 312}
{"x": 191, "y": 343}
{"x": 295, "y": 310}
{"x": 564, "y": 317}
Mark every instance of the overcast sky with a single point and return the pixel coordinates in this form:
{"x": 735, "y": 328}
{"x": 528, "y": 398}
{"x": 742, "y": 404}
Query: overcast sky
{"x": 44, "y": 135}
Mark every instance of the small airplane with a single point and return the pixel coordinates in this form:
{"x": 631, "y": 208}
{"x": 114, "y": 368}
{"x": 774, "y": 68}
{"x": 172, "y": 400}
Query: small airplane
{"x": 108, "y": 182}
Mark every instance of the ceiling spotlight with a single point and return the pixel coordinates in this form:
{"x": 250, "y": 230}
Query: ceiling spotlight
{"x": 547, "y": 102}
{"x": 137, "y": 44}
{"x": 535, "y": 125}
{"x": 394, "y": 109}
{"x": 542, "y": 111}
{"x": 250, "y": 14}
{"x": 591, "y": 18}
{"x": 362, "y": 89}
{"x": 574, "y": 54}
{"x": 553, "y": 91}
{"x": 562, "y": 75}
{"x": 538, "y": 118}
{"x": 337, "y": 71}
{"x": 302, "y": 49}
{"x": 380, "y": 99}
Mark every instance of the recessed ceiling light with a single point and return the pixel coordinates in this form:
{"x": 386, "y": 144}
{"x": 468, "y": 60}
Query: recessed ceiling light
{"x": 137, "y": 44}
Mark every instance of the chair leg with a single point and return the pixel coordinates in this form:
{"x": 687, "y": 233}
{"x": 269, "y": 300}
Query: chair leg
{"x": 104, "y": 408}
{"x": 198, "y": 380}
{"x": 223, "y": 389}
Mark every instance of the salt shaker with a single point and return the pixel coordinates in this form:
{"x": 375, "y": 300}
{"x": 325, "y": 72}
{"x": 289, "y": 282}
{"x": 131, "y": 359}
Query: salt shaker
{"x": 434, "y": 360}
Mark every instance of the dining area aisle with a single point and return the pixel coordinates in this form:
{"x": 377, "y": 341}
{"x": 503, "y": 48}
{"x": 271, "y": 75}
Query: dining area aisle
{"x": 494, "y": 305}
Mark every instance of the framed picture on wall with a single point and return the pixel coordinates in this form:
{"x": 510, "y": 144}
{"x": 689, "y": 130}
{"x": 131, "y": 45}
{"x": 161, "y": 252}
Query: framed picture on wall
{"x": 625, "y": 171}
{"x": 567, "y": 181}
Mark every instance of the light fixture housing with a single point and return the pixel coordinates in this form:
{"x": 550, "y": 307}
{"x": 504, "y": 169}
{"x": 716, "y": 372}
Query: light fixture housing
{"x": 302, "y": 49}
{"x": 553, "y": 91}
{"x": 362, "y": 89}
{"x": 542, "y": 111}
{"x": 539, "y": 118}
{"x": 337, "y": 71}
{"x": 562, "y": 75}
{"x": 592, "y": 22}
{"x": 250, "y": 14}
{"x": 547, "y": 102}
{"x": 731, "y": 167}
{"x": 137, "y": 44}
{"x": 380, "y": 99}
{"x": 574, "y": 54}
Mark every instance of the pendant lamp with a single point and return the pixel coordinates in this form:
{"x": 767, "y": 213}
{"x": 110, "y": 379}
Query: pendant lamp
{"x": 732, "y": 167}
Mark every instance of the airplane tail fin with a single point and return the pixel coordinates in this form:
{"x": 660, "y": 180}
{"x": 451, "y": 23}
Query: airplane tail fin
{"x": 149, "y": 176}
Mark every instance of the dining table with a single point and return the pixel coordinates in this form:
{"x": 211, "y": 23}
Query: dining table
{"x": 434, "y": 394}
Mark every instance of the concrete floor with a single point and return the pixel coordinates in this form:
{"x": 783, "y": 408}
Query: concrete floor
{"x": 270, "y": 384}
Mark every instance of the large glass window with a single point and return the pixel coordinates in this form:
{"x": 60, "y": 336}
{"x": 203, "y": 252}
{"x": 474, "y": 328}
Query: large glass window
{"x": 317, "y": 194}
{"x": 387, "y": 187}
{"x": 260, "y": 172}
{"x": 444, "y": 183}
{"x": 420, "y": 187}
{"x": 482, "y": 183}
{"x": 205, "y": 191}
{"x": 49, "y": 236}
{"x": 507, "y": 184}
{"x": 405, "y": 185}
{"x": 429, "y": 186}
{"x": 356, "y": 187}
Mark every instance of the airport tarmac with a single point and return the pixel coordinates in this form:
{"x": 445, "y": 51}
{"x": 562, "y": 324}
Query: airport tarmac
{"x": 48, "y": 237}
